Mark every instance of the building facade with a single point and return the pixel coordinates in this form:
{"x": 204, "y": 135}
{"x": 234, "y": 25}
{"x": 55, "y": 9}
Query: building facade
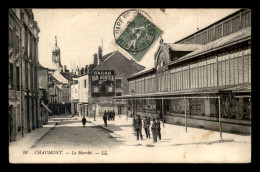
{"x": 74, "y": 96}
{"x": 109, "y": 79}
{"x": 203, "y": 80}
{"x": 83, "y": 92}
{"x": 23, "y": 77}
{"x": 43, "y": 94}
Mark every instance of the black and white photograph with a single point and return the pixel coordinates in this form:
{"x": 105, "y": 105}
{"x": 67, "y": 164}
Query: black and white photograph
{"x": 129, "y": 85}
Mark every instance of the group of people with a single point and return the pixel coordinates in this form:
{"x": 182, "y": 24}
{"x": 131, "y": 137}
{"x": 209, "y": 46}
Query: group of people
{"x": 155, "y": 127}
{"x": 110, "y": 116}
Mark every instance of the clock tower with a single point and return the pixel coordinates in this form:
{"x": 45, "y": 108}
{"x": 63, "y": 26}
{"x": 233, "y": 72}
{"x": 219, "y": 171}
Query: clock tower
{"x": 56, "y": 56}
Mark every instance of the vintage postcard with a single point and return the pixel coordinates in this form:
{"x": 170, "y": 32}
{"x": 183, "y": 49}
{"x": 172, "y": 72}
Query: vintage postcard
{"x": 129, "y": 85}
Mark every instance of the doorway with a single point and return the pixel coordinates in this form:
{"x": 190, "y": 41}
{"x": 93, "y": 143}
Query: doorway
{"x": 120, "y": 110}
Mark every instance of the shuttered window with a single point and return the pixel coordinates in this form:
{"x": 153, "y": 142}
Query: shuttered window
{"x": 215, "y": 73}
{"x": 211, "y": 35}
{"x": 188, "y": 78}
{"x": 223, "y": 71}
{"x": 232, "y": 72}
{"x": 143, "y": 87}
{"x": 199, "y": 77}
{"x": 246, "y": 68}
{"x": 235, "y": 24}
{"x": 218, "y": 31}
{"x": 236, "y": 70}
{"x": 246, "y": 19}
{"x": 227, "y": 72}
{"x": 192, "y": 78}
{"x": 227, "y": 27}
{"x": 174, "y": 81}
{"x": 240, "y": 68}
{"x": 205, "y": 75}
{"x": 219, "y": 73}
{"x": 181, "y": 79}
{"x": 171, "y": 80}
{"x": 177, "y": 80}
{"x": 208, "y": 75}
{"x": 184, "y": 79}
{"x": 168, "y": 81}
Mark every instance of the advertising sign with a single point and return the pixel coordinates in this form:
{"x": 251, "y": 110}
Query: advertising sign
{"x": 102, "y": 83}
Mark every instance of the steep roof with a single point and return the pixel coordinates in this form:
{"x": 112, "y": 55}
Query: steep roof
{"x": 142, "y": 72}
{"x": 59, "y": 86}
{"x": 68, "y": 75}
{"x": 219, "y": 43}
{"x": 211, "y": 25}
{"x": 107, "y": 55}
{"x": 123, "y": 64}
{"x": 60, "y": 77}
{"x": 54, "y": 79}
{"x": 183, "y": 47}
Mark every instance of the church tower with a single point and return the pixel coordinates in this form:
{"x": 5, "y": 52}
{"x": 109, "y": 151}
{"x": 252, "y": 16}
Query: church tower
{"x": 56, "y": 56}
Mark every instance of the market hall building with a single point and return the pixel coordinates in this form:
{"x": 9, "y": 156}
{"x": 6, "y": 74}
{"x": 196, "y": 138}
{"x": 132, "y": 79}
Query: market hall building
{"x": 199, "y": 76}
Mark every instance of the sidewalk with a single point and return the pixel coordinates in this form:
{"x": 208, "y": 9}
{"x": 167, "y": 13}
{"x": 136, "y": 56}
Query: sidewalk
{"x": 31, "y": 138}
{"x": 172, "y": 135}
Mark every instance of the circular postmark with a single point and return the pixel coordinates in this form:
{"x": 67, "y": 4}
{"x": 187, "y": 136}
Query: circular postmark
{"x": 134, "y": 31}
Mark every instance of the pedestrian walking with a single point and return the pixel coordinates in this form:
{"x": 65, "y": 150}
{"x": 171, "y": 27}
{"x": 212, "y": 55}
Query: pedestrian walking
{"x": 154, "y": 131}
{"x": 134, "y": 123}
{"x": 138, "y": 128}
{"x": 145, "y": 126}
{"x": 158, "y": 125}
{"x": 105, "y": 119}
{"x": 113, "y": 115}
{"x": 148, "y": 127}
{"x": 84, "y": 121}
{"x": 108, "y": 116}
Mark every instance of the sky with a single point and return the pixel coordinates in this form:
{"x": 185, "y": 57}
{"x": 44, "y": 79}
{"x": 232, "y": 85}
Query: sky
{"x": 80, "y": 31}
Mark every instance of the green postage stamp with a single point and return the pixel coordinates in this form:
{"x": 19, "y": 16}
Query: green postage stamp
{"x": 135, "y": 33}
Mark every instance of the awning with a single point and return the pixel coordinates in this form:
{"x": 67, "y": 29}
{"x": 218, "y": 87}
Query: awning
{"x": 46, "y": 107}
{"x": 181, "y": 93}
{"x": 238, "y": 89}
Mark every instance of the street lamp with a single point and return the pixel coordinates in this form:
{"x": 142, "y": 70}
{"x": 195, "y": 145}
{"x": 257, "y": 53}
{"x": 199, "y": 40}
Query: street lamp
{"x": 132, "y": 93}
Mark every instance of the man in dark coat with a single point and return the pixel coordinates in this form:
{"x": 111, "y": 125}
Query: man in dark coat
{"x": 108, "y": 115}
{"x": 146, "y": 127}
{"x": 105, "y": 119}
{"x": 158, "y": 128}
{"x": 138, "y": 128}
{"x": 84, "y": 121}
{"x": 134, "y": 123}
{"x": 113, "y": 115}
{"x": 154, "y": 131}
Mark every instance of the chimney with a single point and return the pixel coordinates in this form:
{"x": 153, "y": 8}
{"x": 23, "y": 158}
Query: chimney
{"x": 95, "y": 59}
{"x": 64, "y": 68}
{"x": 77, "y": 71}
{"x": 86, "y": 69}
{"x": 100, "y": 51}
